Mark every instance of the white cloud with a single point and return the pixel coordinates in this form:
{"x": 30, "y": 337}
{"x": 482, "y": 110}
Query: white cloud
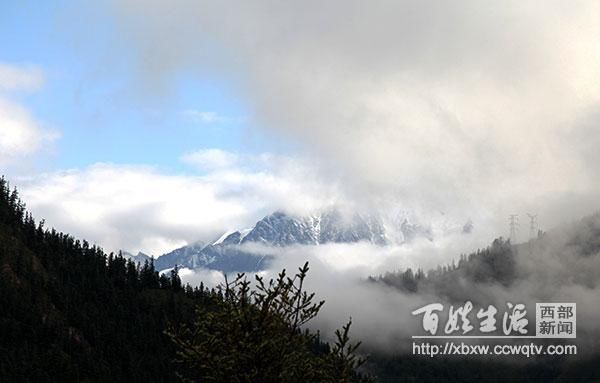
{"x": 210, "y": 159}
{"x": 139, "y": 208}
{"x": 210, "y": 278}
{"x": 214, "y": 159}
{"x": 20, "y": 78}
{"x": 455, "y": 106}
{"x": 206, "y": 117}
{"x": 20, "y": 133}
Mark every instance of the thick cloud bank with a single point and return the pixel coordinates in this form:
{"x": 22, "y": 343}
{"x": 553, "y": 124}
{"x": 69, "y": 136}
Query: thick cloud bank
{"x": 449, "y": 106}
{"x": 140, "y": 208}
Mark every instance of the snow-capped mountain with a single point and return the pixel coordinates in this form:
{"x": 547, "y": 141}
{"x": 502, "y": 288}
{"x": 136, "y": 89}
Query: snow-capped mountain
{"x": 183, "y": 256}
{"x": 137, "y": 258}
{"x": 280, "y": 229}
{"x": 229, "y": 253}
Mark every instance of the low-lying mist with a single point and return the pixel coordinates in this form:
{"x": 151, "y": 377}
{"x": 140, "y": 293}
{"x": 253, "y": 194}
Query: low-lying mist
{"x": 561, "y": 265}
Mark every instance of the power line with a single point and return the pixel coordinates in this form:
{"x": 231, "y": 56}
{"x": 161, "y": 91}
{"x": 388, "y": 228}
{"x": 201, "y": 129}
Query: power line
{"x": 533, "y": 225}
{"x": 514, "y": 224}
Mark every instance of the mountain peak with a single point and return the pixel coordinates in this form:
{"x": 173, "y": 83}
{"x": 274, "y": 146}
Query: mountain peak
{"x": 140, "y": 257}
{"x": 281, "y": 229}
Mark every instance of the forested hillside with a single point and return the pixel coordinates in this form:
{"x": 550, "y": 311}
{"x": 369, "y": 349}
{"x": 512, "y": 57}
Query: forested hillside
{"x": 71, "y": 313}
{"x": 494, "y": 264}
{"x": 561, "y": 259}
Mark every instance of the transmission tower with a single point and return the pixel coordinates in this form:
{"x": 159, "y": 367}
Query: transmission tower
{"x": 533, "y": 225}
{"x": 514, "y": 223}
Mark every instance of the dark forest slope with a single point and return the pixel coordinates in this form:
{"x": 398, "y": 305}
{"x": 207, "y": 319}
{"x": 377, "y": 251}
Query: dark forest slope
{"x": 71, "y": 313}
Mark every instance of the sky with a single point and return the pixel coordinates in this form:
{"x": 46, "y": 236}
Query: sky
{"x": 85, "y": 93}
{"x": 146, "y": 125}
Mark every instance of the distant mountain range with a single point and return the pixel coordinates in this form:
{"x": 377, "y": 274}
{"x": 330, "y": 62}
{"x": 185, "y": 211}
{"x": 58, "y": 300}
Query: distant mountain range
{"x": 279, "y": 229}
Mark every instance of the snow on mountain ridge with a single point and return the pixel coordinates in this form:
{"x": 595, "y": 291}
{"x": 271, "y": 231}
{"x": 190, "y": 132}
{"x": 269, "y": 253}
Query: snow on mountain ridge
{"x": 229, "y": 252}
{"x": 280, "y": 230}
